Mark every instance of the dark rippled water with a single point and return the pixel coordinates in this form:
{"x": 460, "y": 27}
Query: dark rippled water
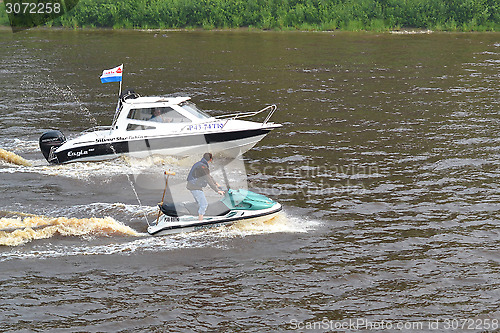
{"x": 387, "y": 165}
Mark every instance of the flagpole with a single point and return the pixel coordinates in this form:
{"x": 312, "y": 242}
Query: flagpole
{"x": 115, "y": 118}
{"x": 120, "y": 92}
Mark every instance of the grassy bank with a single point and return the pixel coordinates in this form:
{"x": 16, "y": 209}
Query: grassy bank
{"x": 352, "y": 15}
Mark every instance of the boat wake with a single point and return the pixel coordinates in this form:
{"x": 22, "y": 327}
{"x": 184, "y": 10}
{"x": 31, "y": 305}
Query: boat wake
{"x": 10, "y": 162}
{"x": 24, "y": 228}
{"x": 140, "y": 167}
{"x": 13, "y": 158}
{"x": 280, "y": 223}
{"x": 21, "y": 230}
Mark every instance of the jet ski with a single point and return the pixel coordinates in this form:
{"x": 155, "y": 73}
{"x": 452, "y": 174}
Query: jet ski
{"x": 236, "y": 205}
{"x": 172, "y": 126}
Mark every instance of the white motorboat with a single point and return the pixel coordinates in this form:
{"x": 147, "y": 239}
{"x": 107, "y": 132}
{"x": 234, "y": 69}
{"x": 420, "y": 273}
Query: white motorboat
{"x": 173, "y": 126}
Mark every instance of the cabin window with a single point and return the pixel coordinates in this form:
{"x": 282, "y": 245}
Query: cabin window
{"x": 134, "y": 127}
{"x": 194, "y": 110}
{"x": 158, "y": 114}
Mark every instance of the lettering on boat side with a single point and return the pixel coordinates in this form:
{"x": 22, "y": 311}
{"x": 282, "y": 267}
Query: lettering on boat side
{"x": 208, "y": 226}
{"x": 79, "y": 153}
{"x": 119, "y": 138}
{"x": 204, "y": 127}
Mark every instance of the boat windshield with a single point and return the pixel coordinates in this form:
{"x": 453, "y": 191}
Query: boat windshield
{"x": 194, "y": 110}
{"x": 158, "y": 114}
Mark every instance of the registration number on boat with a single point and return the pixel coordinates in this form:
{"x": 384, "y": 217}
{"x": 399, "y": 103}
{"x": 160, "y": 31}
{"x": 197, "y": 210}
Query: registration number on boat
{"x": 205, "y": 127}
{"x": 208, "y": 226}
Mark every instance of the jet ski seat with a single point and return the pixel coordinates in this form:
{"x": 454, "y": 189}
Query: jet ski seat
{"x": 217, "y": 208}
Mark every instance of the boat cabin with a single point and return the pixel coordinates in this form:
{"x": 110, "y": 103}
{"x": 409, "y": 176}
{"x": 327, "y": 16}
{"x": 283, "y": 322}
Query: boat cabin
{"x": 149, "y": 113}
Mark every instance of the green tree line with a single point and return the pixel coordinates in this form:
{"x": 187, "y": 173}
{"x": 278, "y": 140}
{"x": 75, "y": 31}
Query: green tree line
{"x": 376, "y": 15}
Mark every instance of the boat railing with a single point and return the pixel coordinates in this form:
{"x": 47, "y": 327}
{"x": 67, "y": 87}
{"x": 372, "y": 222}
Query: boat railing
{"x": 227, "y": 117}
{"x": 270, "y": 108}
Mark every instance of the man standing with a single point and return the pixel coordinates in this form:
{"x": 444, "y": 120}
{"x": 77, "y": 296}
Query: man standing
{"x": 198, "y": 178}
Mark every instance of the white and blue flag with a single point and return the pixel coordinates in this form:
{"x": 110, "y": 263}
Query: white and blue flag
{"x": 112, "y": 75}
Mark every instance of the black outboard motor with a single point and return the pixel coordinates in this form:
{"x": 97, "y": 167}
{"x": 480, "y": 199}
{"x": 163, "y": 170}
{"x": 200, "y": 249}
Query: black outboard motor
{"x": 50, "y": 141}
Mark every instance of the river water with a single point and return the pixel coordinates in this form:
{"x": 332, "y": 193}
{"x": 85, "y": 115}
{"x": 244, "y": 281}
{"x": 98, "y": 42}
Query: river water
{"x": 387, "y": 166}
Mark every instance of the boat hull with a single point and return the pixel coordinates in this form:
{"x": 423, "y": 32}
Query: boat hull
{"x": 230, "y": 144}
{"x": 169, "y": 225}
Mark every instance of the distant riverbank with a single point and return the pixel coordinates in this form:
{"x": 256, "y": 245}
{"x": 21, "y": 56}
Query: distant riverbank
{"x": 403, "y": 31}
{"x": 309, "y": 15}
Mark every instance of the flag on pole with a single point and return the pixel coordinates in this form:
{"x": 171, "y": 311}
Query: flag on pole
{"x": 112, "y": 75}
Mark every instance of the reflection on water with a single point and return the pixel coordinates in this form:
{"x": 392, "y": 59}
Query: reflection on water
{"x": 387, "y": 166}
